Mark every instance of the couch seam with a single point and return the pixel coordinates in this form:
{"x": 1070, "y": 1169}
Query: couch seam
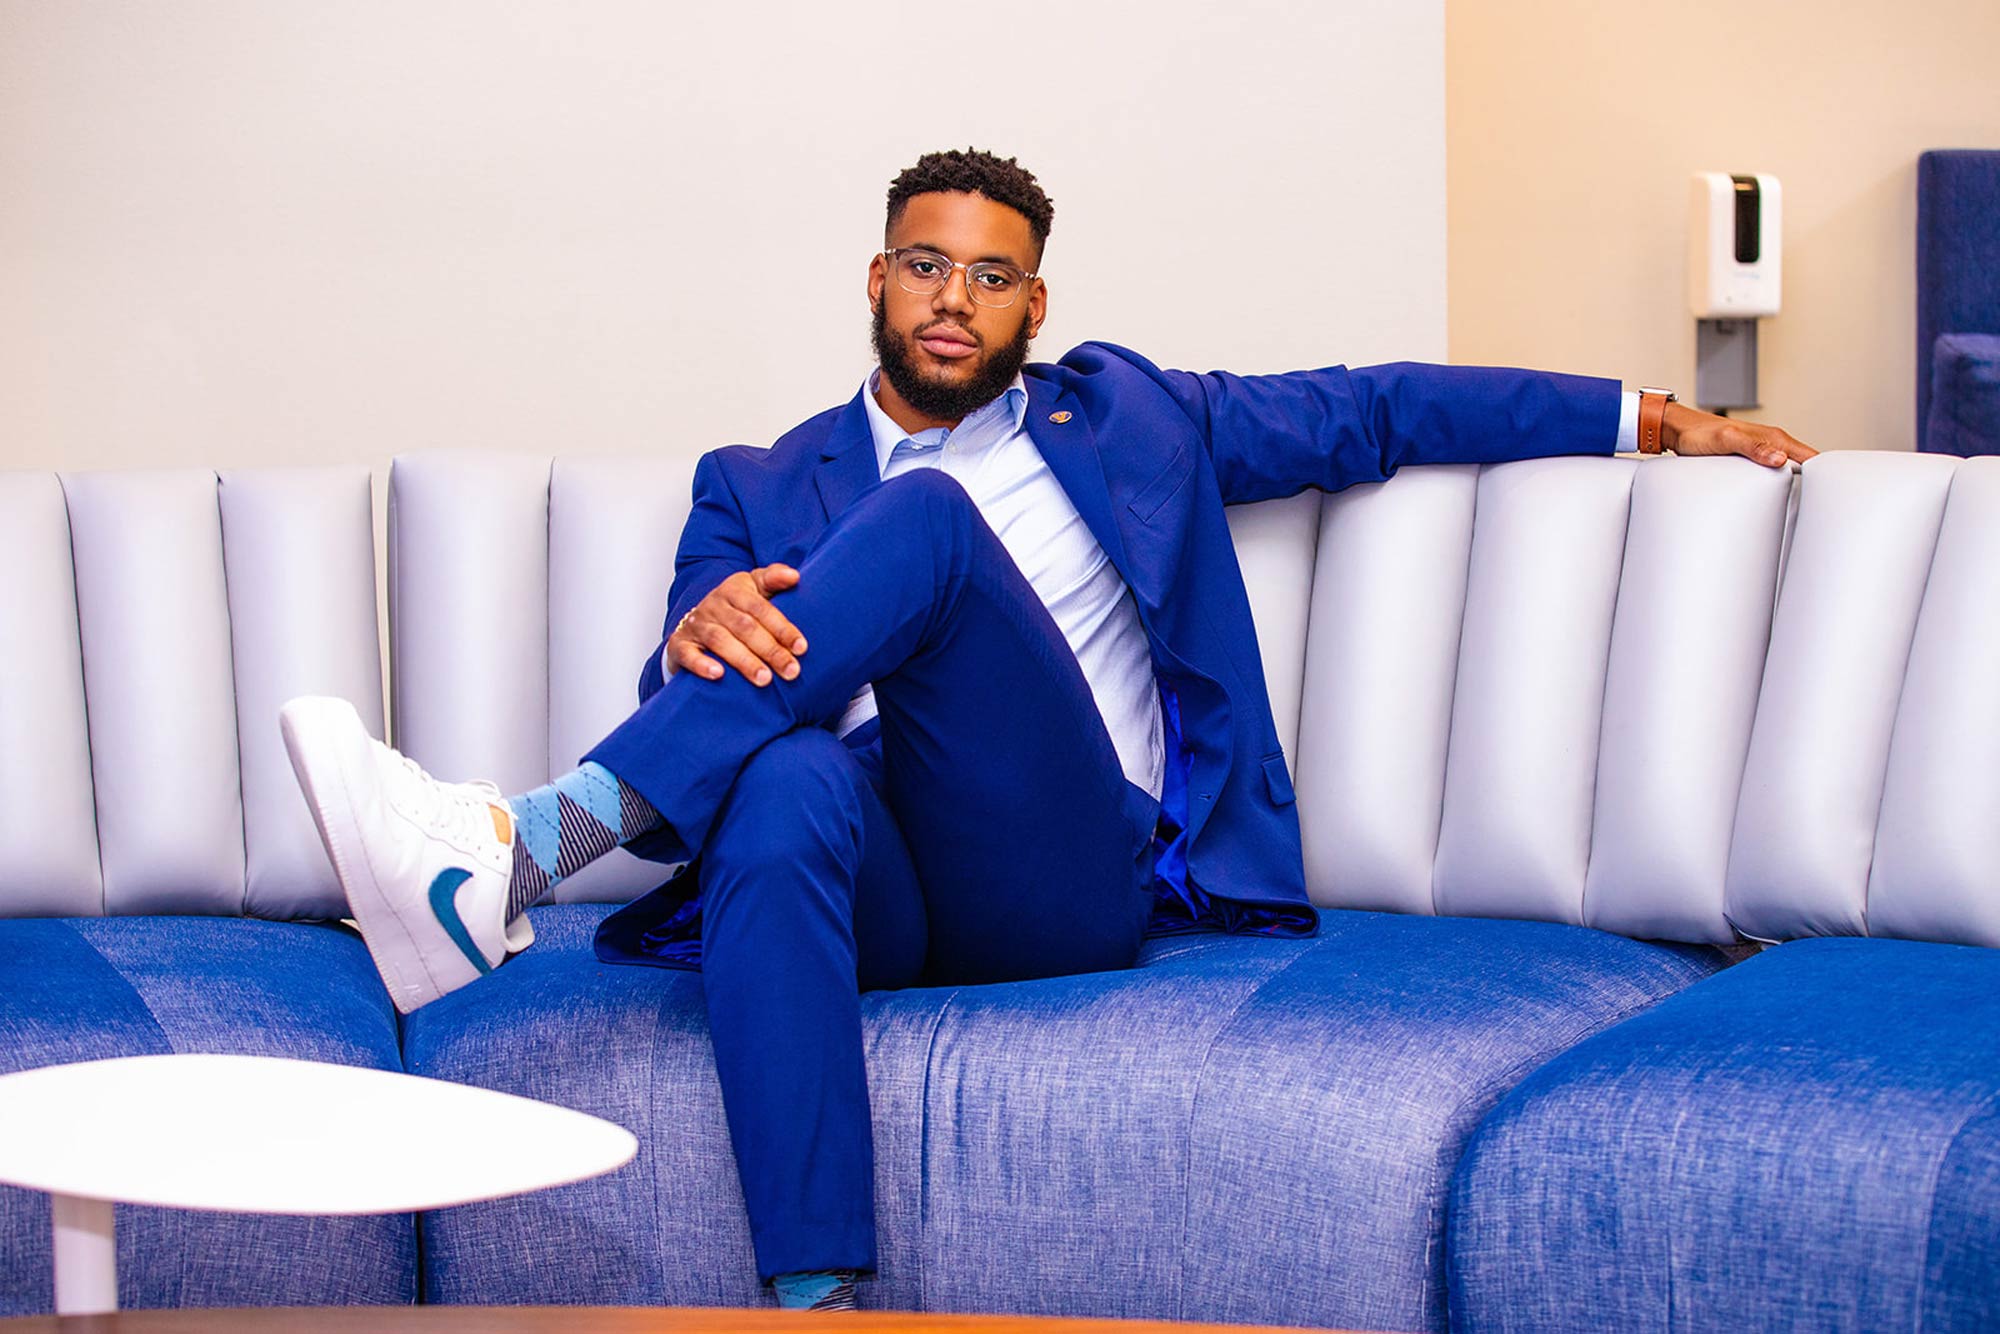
{"x": 1902, "y": 688}
{"x": 83, "y": 684}
{"x": 1674, "y": 1152}
{"x": 1985, "y": 1105}
{"x": 235, "y": 699}
{"x": 1604, "y": 698}
{"x": 549, "y": 622}
{"x": 1742, "y": 763}
{"x": 1457, "y": 666}
{"x": 924, "y": 1158}
{"x": 175, "y": 1220}
{"x": 653, "y": 1108}
{"x": 1194, "y": 1106}
{"x": 1508, "y": 1081}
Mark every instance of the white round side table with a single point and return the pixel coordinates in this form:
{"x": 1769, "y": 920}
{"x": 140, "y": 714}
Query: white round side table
{"x": 263, "y": 1134}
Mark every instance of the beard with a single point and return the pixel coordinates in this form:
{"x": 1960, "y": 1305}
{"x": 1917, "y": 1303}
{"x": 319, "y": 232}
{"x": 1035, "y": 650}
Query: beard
{"x": 946, "y": 400}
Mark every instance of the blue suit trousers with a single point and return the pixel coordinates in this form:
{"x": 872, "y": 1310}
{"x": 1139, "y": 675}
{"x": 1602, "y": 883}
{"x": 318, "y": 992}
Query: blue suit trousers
{"x": 993, "y": 836}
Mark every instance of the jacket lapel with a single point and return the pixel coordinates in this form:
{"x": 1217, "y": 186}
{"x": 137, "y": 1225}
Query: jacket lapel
{"x": 848, "y": 465}
{"x": 847, "y": 460}
{"x": 1070, "y": 449}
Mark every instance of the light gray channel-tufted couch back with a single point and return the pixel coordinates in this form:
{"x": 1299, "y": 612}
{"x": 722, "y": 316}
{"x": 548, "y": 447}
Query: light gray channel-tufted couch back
{"x": 1554, "y": 690}
{"x": 154, "y": 623}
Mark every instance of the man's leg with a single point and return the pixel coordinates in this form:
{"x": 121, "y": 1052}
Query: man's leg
{"x": 808, "y": 899}
{"x": 1023, "y": 838}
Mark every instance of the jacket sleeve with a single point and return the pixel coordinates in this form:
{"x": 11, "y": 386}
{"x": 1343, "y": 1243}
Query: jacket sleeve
{"x": 715, "y": 543}
{"x": 1275, "y": 435}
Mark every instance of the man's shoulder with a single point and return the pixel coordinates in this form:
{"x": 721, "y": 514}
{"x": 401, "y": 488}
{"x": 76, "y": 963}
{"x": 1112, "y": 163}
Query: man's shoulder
{"x": 797, "y": 448}
{"x": 1093, "y": 362}
{"x": 1098, "y": 372}
{"x": 814, "y": 430}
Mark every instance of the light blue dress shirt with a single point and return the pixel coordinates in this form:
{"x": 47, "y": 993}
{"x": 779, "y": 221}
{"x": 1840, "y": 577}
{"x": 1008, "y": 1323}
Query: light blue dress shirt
{"x": 991, "y": 455}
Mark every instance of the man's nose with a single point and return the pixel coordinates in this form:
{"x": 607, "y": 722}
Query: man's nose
{"x": 956, "y": 294}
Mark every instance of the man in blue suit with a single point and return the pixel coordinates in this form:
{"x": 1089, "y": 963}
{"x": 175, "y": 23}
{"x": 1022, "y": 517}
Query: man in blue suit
{"x": 959, "y": 685}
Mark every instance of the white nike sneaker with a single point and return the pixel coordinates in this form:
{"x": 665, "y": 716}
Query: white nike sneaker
{"x": 425, "y": 864}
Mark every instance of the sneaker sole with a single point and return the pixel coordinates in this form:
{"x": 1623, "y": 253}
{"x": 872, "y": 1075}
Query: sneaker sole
{"x": 313, "y": 739}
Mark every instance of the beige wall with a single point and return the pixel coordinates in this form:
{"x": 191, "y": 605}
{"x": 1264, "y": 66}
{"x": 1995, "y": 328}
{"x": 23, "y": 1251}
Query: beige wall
{"x": 1573, "y": 126}
{"x": 247, "y": 231}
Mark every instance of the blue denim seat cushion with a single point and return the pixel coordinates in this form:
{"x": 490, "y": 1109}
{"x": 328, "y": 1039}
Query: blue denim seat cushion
{"x": 1240, "y": 1128}
{"x": 1809, "y": 1140}
{"x": 631, "y": 1045}
{"x": 80, "y": 989}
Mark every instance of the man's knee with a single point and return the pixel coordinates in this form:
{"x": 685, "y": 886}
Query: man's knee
{"x": 924, "y": 500}
{"x": 801, "y": 793}
{"x": 786, "y": 848}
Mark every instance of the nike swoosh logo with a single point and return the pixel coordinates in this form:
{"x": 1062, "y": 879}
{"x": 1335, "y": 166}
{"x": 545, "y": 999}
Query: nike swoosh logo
{"x": 444, "y": 905}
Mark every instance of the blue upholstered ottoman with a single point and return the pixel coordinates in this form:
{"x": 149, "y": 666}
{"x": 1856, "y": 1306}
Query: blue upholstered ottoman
{"x": 1239, "y": 1129}
{"x": 1809, "y": 1141}
{"x": 80, "y": 989}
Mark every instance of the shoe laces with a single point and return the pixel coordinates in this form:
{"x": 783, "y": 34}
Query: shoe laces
{"x": 459, "y": 811}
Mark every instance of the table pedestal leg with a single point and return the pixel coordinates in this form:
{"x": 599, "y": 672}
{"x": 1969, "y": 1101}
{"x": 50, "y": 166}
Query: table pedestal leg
{"x": 86, "y": 1256}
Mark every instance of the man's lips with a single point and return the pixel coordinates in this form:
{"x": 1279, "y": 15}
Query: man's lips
{"x": 950, "y": 344}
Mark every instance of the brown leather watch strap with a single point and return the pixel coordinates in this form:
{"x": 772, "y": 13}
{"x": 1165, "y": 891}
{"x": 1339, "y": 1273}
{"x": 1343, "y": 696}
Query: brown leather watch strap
{"x": 1652, "y": 412}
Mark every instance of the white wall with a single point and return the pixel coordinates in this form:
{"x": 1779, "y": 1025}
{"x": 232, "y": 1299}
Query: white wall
{"x": 235, "y": 232}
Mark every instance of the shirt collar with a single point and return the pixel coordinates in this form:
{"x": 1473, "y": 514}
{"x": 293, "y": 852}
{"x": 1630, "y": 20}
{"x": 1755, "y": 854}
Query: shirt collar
{"x": 1013, "y": 401}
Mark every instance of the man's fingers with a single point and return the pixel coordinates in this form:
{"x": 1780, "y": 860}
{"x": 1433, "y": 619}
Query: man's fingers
{"x": 775, "y": 578}
{"x": 1705, "y": 433}
{"x": 726, "y": 646}
{"x": 750, "y": 632}
{"x": 737, "y": 624}
{"x": 777, "y": 627}
{"x": 1774, "y": 448}
{"x": 684, "y": 653}
{"x": 1796, "y": 448}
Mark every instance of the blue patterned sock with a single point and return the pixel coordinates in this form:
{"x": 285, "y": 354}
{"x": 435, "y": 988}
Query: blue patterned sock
{"x": 817, "y": 1290}
{"x": 563, "y": 827}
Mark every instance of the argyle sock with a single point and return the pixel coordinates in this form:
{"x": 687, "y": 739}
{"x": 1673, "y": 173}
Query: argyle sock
{"x": 817, "y": 1290}
{"x": 567, "y": 825}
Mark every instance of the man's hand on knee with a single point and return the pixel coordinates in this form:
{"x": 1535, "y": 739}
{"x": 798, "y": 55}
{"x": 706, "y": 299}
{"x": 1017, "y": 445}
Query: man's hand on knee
{"x": 738, "y": 624}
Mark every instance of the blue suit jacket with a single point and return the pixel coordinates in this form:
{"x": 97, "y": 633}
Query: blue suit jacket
{"x": 1150, "y": 457}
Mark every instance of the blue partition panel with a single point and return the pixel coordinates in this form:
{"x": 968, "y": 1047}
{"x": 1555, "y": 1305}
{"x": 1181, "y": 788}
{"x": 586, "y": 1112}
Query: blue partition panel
{"x": 1958, "y": 256}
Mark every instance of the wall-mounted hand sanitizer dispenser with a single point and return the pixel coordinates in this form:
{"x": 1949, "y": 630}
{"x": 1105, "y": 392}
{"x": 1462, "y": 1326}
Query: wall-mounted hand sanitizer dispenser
{"x": 1734, "y": 243}
{"x": 1734, "y": 239}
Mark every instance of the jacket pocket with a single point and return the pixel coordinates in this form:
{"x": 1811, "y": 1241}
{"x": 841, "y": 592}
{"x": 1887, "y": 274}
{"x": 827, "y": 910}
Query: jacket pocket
{"x": 1163, "y": 488}
{"x": 1279, "y": 780}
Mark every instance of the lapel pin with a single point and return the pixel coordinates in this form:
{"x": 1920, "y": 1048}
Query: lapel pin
{"x": 1059, "y": 417}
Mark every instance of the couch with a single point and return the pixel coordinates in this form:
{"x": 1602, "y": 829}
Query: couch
{"x": 1652, "y": 810}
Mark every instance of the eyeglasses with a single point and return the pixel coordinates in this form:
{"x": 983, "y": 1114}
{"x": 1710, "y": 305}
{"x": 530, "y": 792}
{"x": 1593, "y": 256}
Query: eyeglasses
{"x": 925, "y": 272}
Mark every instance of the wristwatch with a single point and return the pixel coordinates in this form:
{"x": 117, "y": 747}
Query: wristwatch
{"x": 1652, "y": 412}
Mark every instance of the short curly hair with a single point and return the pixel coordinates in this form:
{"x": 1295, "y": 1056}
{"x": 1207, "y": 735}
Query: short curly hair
{"x": 975, "y": 171}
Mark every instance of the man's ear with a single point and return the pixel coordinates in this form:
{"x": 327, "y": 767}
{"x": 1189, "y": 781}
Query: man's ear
{"x": 878, "y": 277}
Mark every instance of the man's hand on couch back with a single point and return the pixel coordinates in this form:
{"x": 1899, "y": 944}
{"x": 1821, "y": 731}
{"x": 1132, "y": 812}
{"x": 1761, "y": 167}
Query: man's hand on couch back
{"x": 1687, "y": 430}
{"x": 738, "y": 623}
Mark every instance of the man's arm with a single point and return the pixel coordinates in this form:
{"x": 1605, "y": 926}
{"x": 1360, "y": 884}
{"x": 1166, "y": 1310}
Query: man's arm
{"x": 1275, "y": 435}
{"x": 719, "y": 609}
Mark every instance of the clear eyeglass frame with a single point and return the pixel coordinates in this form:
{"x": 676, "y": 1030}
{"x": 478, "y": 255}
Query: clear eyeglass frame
{"x": 991, "y": 283}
